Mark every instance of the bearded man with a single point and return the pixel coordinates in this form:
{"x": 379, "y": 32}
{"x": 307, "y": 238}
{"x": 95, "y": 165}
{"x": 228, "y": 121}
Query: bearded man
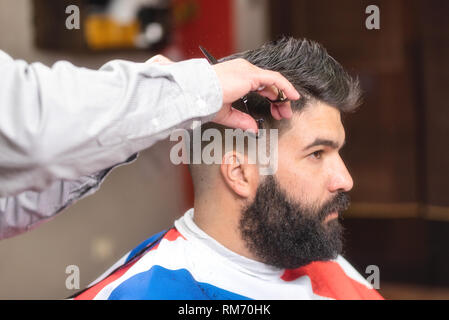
{"x": 254, "y": 236}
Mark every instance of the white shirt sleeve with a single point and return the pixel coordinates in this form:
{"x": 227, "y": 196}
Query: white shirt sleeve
{"x": 66, "y": 122}
{"x": 63, "y": 129}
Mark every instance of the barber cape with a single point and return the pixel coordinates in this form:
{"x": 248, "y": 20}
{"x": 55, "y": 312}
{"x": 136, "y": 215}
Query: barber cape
{"x": 185, "y": 263}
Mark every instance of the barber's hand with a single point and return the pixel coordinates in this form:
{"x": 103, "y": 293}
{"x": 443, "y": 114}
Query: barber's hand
{"x": 237, "y": 78}
{"x": 160, "y": 59}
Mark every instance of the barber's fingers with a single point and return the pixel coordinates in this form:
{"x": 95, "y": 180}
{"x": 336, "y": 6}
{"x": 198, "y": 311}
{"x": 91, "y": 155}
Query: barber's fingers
{"x": 275, "y": 112}
{"x": 234, "y": 118}
{"x": 284, "y": 110}
{"x": 278, "y": 110}
{"x": 270, "y": 92}
{"x": 160, "y": 59}
{"x": 268, "y": 79}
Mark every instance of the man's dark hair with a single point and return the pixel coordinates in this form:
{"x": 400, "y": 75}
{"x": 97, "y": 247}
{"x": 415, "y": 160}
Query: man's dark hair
{"x": 309, "y": 68}
{"x": 307, "y": 65}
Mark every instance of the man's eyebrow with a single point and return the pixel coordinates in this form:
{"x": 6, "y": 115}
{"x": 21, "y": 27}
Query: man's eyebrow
{"x": 325, "y": 142}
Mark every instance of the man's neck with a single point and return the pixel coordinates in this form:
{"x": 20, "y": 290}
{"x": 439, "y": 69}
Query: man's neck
{"x": 222, "y": 224}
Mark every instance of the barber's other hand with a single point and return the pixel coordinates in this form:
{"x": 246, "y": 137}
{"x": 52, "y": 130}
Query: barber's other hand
{"x": 238, "y": 77}
{"x": 160, "y": 59}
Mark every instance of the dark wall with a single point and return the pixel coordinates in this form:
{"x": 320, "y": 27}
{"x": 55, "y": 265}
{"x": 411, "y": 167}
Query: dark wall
{"x": 397, "y": 143}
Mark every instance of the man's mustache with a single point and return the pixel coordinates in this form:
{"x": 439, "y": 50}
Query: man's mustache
{"x": 339, "y": 203}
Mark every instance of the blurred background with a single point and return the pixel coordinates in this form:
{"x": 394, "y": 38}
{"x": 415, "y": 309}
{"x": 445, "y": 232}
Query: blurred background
{"x": 397, "y": 143}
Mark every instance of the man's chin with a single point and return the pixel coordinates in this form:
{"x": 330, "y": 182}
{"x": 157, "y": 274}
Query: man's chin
{"x": 307, "y": 262}
{"x": 289, "y": 235}
{"x": 321, "y": 258}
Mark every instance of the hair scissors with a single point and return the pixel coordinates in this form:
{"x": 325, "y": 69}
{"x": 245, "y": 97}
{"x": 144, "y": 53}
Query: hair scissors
{"x": 242, "y": 103}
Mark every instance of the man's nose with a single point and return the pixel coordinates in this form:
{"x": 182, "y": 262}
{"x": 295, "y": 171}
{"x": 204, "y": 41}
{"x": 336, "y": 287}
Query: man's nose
{"x": 340, "y": 180}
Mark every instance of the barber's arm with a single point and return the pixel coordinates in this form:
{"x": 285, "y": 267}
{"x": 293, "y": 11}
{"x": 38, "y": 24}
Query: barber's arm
{"x": 65, "y": 122}
{"x": 63, "y": 129}
{"x": 27, "y": 210}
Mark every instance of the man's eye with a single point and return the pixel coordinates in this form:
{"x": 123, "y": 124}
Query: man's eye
{"x": 317, "y": 154}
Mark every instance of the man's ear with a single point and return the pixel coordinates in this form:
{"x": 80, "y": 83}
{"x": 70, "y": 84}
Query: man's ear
{"x": 238, "y": 175}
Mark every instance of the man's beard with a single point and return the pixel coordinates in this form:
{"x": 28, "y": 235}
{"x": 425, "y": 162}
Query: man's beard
{"x": 286, "y": 234}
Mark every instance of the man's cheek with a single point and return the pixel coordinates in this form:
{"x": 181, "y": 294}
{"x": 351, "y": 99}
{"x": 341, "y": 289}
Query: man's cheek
{"x": 298, "y": 191}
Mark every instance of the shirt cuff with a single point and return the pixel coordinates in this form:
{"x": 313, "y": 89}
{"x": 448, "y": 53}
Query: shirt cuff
{"x": 198, "y": 80}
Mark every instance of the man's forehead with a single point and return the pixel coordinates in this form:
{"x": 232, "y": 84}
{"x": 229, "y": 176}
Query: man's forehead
{"x": 317, "y": 121}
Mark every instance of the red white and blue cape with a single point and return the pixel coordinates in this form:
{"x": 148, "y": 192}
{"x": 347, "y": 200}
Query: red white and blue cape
{"x": 185, "y": 263}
